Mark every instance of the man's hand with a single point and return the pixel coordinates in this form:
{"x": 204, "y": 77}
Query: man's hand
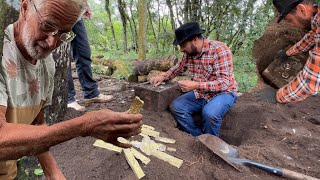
{"x": 50, "y": 167}
{"x": 282, "y": 56}
{"x": 108, "y": 125}
{"x": 267, "y": 95}
{"x": 188, "y": 85}
{"x": 58, "y": 175}
{"x": 157, "y": 80}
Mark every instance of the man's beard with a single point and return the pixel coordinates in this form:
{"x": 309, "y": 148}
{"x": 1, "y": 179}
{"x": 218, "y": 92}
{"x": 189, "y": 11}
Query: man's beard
{"x": 194, "y": 51}
{"x": 31, "y": 50}
{"x": 306, "y": 24}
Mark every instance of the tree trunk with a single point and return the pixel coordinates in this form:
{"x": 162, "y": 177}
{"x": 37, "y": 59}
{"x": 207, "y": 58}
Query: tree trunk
{"x": 159, "y": 25}
{"x": 9, "y": 13}
{"x": 176, "y": 7}
{"x": 111, "y": 24}
{"x": 173, "y": 25}
{"x": 128, "y": 19}
{"x": 55, "y": 113}
{"x": 133, "y": 39}
{"x": 153, "y": 31}
{"x": 164, "y": 30}
{"x": 134, "y": 25}
{"x": 195, "y": 10}
{"x": 121, "y": 7}
{"x": 142, "y": 29}
{"x": 186, "y": 11}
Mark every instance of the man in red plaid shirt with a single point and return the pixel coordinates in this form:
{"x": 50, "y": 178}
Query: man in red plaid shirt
{"x": 212, "y": 89}
{"x": 303, "y": 14}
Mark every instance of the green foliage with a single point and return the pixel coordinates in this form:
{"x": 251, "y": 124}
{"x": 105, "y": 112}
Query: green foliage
{"x": 100, "y": 69}
{"x": 124, "y": 69}
{"x": 29, "y": 168}
{"x": 38, "y": 172}
{"x": 245, "y": 72}
{"x": 234, "y": 22}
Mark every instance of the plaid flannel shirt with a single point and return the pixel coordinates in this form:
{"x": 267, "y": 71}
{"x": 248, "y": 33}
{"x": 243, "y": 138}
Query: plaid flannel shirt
{"x": 308, "y": 80}
{"x": 213, "y": 69}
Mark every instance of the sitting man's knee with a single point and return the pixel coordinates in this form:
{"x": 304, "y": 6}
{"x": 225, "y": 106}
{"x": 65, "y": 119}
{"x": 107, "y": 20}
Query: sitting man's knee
{"x": 211, "y": 114}
{"x": 175, "y": 105}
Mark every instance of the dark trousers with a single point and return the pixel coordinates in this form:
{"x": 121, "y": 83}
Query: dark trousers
{"x": 81, "y": 51}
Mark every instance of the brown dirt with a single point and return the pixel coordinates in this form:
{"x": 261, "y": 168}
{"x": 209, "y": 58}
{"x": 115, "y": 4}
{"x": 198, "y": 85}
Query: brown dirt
{"x": 262, "y": 131}
{"x": 277, "y": 36}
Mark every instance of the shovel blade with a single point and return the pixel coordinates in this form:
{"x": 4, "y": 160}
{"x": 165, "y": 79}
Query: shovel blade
{"x": 220, "y": 148}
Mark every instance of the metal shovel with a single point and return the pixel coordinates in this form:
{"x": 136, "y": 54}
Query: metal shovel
{"x": 231, "y": 155}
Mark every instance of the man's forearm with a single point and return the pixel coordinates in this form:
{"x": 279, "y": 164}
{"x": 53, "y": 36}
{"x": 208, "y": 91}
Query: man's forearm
{"x": 18, "y": 140}
{"x": 172, "y": 72}
{"x": 212, "y": 86}
{"x": 305, "y": 44}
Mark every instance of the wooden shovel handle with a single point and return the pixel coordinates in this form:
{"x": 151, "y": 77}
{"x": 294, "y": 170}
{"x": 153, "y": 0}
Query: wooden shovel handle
{"x": 295, "y": 175}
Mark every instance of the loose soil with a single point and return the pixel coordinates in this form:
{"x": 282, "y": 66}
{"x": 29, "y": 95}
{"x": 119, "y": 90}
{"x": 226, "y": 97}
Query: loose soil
{"x": 286, "y": 136}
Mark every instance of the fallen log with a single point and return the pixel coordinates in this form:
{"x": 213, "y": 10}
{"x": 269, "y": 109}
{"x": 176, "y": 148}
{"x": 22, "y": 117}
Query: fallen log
{"x": 160, "y": 64}
{"x": 131, "y": 69}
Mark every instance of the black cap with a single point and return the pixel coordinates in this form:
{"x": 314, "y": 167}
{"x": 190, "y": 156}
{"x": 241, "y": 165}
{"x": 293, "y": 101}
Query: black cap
{"x": 284, "y": 7}
{"x": 186, "y": 31}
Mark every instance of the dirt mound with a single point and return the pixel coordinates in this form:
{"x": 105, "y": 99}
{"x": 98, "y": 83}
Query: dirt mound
{"x": 280, "y": 135}
{"x": 277, "y": 36}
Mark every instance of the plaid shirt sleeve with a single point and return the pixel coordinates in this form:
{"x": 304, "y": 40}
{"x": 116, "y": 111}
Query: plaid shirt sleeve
{"x": 305, "y": 44}
{"x": 222, "y": 69}
{"x": 180, "y": 67}
{"x": 308, "y": 80}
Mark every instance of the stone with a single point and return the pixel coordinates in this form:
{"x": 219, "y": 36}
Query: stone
{"x": 280, "y": 74}
{"x": 157, "y": 98}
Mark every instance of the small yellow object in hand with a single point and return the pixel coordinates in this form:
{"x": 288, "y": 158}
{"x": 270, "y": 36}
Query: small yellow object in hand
{"x": 136, "y": 106}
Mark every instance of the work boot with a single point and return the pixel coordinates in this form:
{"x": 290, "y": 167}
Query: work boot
{"x": 99, "y": 99}
{"x": 76, "y": 106}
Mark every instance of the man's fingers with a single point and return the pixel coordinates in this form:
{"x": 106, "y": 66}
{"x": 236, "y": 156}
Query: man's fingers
{"x": 126, "y": 128}
{"x": 125, "y": 118}
{"x": 157, "y": 84}
{"x": 119, "y": 144}
{"x": 130, "y": 134}
{"x": 114, "y": 137}
{"x": 114, "y": 141}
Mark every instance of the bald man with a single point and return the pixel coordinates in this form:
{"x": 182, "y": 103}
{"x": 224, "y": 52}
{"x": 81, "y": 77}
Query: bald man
{"x": 26, "y": 86}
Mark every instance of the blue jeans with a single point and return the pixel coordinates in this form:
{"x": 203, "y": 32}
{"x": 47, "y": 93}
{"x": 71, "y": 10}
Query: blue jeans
{"x": 81, "y": 51}
{"x": 184, "y": 107}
